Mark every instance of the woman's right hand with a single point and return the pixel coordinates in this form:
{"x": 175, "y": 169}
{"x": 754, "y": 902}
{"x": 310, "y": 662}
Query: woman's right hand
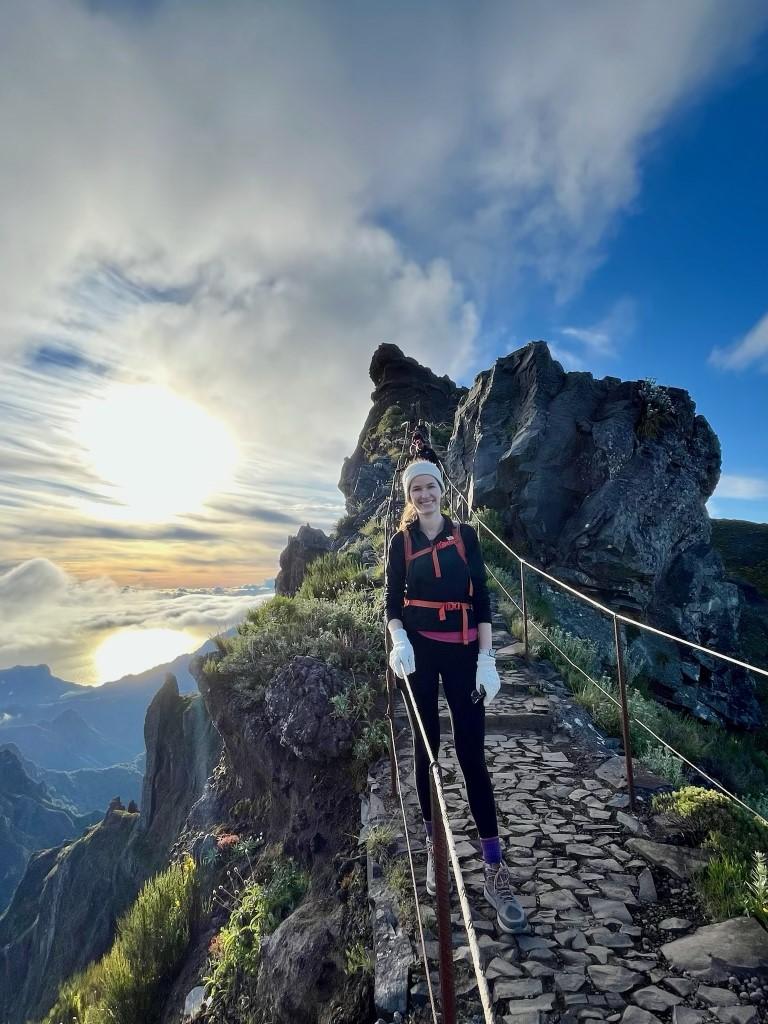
{"x": 402, "y": 660}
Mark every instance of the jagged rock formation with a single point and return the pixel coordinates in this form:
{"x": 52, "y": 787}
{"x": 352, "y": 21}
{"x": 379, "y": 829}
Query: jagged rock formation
{"x": 604, "y": 483}
{"x": 403, "y": 390}
{"x": 63, "y": 913}
{"x": 29, "y": 821}
{"x": 305, "y": 547}
{"x": 288, "y": 743}
{"x": 287, "y": 753}
{"x": 182, "y": 749}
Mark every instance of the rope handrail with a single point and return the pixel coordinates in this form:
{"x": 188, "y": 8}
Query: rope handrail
{"x": 700, "y": 771}
{"x": 601, "y": 607}
{"x": 450, "y": 841}
{"x": 393, "y": 746}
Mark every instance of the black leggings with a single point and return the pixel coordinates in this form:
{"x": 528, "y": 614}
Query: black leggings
{"x": 456, "y": 664}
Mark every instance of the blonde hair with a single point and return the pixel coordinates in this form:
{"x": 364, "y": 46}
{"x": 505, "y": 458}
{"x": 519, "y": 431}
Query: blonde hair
{"x": 410, "y": 515}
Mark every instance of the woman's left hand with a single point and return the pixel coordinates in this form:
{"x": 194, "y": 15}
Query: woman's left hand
{"x": 487, "y": 677}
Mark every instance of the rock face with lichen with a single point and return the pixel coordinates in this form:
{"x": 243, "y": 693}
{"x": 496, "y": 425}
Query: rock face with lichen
{"x": 404, "y": 391}
{"x": 604, "y": 483}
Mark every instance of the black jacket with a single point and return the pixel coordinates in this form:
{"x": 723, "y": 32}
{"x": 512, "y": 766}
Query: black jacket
{"x": 422, "y": 584}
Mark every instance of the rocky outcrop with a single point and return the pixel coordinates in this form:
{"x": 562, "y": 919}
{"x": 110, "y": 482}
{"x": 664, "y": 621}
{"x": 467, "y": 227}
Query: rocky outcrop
{"x": 182, "y": 750}
{"x": 288, "y": 754}
{"x": 288, "y": 743}
{"x": 404, "y": 391}
{"x": 305, "y": 547}
{"x": 64, "y": 910}
{"x": 604, "y": 483}
{"x": 29, "y": 821}
{"x": 63, "y": 913}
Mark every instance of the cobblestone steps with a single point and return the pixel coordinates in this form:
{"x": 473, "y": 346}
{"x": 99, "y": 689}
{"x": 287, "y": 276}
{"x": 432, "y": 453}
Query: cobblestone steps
{"x": 591, "y": 954}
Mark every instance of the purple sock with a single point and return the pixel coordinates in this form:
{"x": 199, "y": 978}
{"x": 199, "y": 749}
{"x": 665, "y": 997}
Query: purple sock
{"x": 491, "y": 850}
{"x": 428, "y": 828}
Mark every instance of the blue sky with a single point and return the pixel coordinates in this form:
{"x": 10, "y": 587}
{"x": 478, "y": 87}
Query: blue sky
{"x": 214, "y": 214}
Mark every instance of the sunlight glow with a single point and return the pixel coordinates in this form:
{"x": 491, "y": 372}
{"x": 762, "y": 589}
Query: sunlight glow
{"x": 158, "y": 453}
{"x": 130, "y": 651}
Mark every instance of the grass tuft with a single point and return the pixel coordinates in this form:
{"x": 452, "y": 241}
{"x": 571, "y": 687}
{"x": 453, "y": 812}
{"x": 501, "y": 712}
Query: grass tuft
{"x": 126, "y": 985}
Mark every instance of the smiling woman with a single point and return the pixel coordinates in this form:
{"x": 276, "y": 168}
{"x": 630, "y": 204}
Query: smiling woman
{"x": 130, "y": 651}
{"x": 158, "y": 454}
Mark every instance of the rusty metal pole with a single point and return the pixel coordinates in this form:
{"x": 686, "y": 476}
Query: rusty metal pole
{"x": 617, "y": 632}
{"x": 442, "y": 882}
{"x": 524, "y": 606}
{"x": 391, "y": 716}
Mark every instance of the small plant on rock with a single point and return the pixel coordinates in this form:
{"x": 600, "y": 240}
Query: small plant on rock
{"x": 756, "y": 897}
{"x": 358, "y": 959}
{"x": 379, "y": 841}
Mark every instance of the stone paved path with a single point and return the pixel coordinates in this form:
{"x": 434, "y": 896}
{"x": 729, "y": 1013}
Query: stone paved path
{"x": 591, "y": 953}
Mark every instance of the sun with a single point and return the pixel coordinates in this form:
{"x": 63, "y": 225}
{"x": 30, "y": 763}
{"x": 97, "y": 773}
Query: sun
{"x": 133, "y": 650}
{"x": 157, "y": 454}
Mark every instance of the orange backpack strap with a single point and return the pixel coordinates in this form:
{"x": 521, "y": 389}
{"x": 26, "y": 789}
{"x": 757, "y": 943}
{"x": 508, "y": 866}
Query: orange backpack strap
{"x": 459, "y": 542}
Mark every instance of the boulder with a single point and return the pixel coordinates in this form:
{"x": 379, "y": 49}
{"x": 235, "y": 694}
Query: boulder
{"x": 713, "y": 953}
{"x": 680, "y": 861}
{"x": 585, "y": 474}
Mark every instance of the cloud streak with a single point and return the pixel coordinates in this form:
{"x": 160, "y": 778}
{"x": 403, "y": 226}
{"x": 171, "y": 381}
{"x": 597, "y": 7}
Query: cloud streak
{"x": 240, "y": 201}
{"x": 750, "y": 350}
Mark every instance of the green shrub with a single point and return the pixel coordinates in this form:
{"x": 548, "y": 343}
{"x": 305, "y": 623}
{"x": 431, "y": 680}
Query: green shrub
{"x": 152, "y": 936}
{"x": 358, "y": 959}
{"x": 440, "y": 435}
{"x": 756, "y": 896}
{"x": 708, "y": 817}
{"x": 371, "y": 744}
{"x": 329, "y": 575}
{"x": 355, "y": 702}
{"x": 721, "y": 886}
{"x": 380, "y": 840}
{"x": 398, "y": 879}
{"x": 259, "y": 908}
{"x": 660, "y": 761}
{"x": 346, "y": 633}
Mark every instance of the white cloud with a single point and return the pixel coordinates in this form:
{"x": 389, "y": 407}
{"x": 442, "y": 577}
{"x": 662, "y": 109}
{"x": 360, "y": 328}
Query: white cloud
{"x": 603, "y": 339}
{"x": 242, "y": 200}
{"x": 746, "y": 488}
{"x": 752, "y": 348}
{"x": 48, "y": 616}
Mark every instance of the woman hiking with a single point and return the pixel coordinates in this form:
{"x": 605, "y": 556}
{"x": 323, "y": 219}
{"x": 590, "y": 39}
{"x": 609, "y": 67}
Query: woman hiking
{"x": 439, "y": 617}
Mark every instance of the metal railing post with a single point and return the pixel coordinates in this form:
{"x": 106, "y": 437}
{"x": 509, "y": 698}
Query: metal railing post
{"x": 625, "y": 732}
{"x": 442, "y": 882}
{"x": 524, "y": 607}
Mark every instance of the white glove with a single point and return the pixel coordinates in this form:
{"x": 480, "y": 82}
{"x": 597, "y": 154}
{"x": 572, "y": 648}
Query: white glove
{"x": 487, "y": 677}
{"x": 402, "y": 660}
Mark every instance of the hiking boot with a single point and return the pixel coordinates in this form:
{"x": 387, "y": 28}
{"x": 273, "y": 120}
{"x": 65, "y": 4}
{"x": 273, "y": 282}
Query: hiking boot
{"x": 510, "y": 916}
{"x": 431, "y": 883}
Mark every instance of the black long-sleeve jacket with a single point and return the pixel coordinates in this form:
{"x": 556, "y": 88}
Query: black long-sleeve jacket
{"x": 422, "y": 584}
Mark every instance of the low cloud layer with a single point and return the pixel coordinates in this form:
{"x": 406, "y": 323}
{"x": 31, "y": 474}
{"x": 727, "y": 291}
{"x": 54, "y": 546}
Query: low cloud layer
{"x": 47, "y": 616}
